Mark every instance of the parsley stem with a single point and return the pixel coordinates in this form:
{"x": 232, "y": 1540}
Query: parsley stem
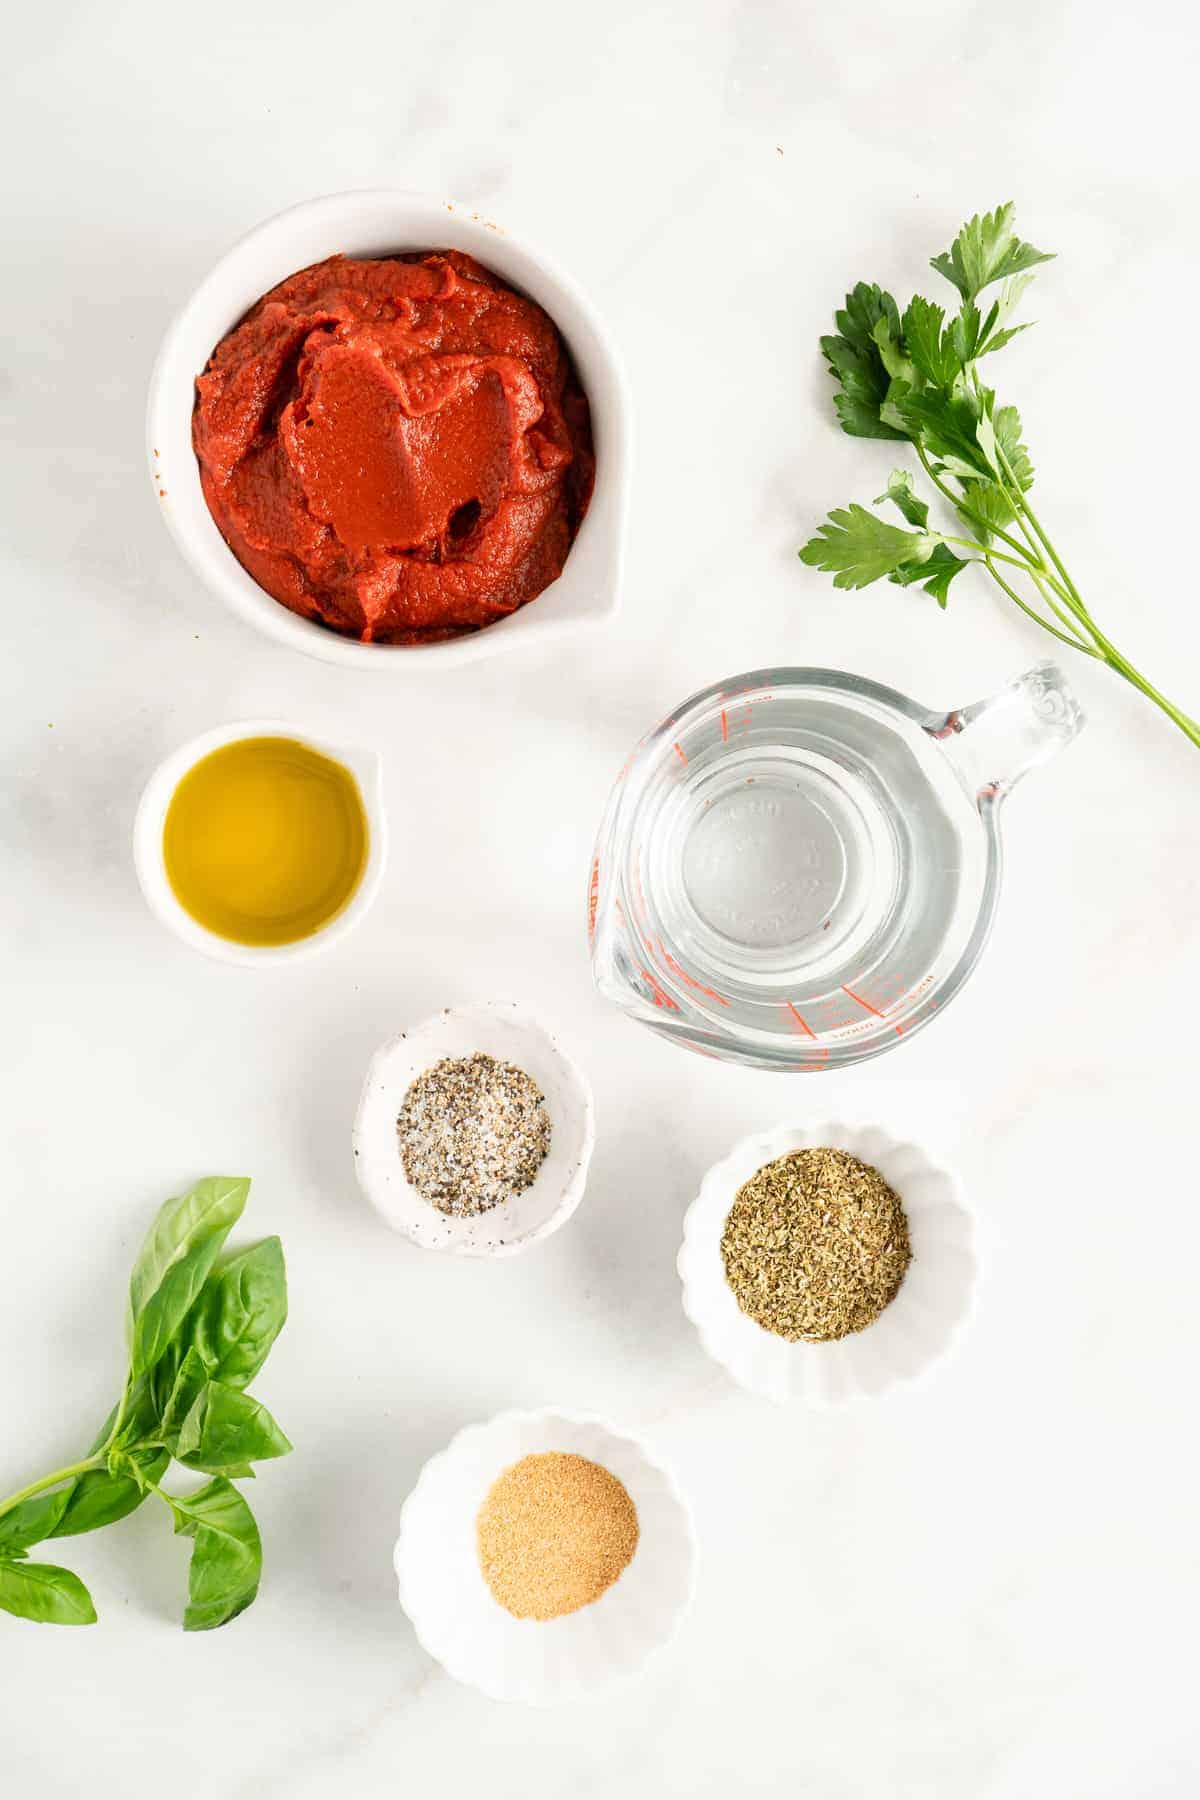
{"x": 1047, "y": 588}
{"x": 1018, "y": 562}
{"x": 1104, "y": 647}
{"x": 962, "y": 503}
{"x": 1014, "y": 499}
{"x": 1135, "y": 678}
{"x": 1028, "y": 512}
{"x": 1031, "y": 559}
{"x": 1073, "y": 643}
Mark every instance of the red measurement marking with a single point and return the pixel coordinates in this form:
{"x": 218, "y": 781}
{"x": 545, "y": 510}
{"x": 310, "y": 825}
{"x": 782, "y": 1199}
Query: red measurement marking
{"x": 593, "y": 899}
{"x": 658, "y": 994}
{"x": 680, "y": 755}
{"x": 724, "y": 726}
{"x": 639, "y": 892}
{"x": 819, "y": 1055}
{"x": 688, "y": 980}
{"x": 805, "y": 1027}
{"x": 858, "y": 999}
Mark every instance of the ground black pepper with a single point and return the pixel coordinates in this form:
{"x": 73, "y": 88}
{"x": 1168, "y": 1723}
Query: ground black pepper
{"x": 473, "y": 1133}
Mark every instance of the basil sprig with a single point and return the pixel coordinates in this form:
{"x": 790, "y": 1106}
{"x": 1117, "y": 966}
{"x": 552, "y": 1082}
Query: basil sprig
{"x": 199, "y": 1330}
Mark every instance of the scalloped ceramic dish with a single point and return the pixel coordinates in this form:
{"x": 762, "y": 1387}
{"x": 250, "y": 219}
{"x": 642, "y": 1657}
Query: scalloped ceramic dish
{"x": 540, "y": 1663}
{"x": 502, "y": 1030}
{"x": 380, "y": 222}
{"x": 918, "y": 1328}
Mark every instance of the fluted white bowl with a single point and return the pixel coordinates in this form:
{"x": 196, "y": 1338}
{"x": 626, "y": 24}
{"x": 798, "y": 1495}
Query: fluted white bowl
{"x": 540, "y": 1662}
{"x": 931, "y": 1306}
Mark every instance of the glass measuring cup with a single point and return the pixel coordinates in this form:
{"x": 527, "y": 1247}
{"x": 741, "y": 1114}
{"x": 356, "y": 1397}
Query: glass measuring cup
{"x": 798, "y": 868}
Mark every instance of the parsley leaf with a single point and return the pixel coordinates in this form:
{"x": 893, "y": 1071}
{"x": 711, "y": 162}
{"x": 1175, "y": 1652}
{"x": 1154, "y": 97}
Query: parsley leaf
{"x": 986, "y": 249}
{"x": 900, "y": 491}
{"x": 998, "y": 339}
{"x": 945, "y": 566}
{"x": 864, "y": 308}
{"x": 861, "y": 548}
{"x": 968, "y": 331}
{"x": 1001, "y": 433}
{"x": 917, "y": 378}
{"x": 932, "y": 349}
{"x": 891, "y": 351}
{"x": 854, "y": 358}
{"x": 985, "y": 508}
{"x": 947, "y": 425}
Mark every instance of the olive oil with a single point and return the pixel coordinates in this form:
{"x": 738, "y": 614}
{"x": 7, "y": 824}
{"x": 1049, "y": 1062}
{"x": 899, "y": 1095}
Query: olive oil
{"x": 265, "y": 840}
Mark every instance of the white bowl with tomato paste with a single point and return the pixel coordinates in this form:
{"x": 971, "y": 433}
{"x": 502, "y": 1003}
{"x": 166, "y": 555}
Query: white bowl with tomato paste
{"x": 379, "y": 223}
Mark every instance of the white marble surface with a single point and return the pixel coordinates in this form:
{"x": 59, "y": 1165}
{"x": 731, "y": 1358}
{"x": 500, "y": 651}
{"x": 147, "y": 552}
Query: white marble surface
{"x": 983, "y": 1588}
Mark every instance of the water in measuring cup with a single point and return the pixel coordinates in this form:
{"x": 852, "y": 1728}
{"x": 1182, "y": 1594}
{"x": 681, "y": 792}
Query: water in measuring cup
{"x": 818, "y": 855}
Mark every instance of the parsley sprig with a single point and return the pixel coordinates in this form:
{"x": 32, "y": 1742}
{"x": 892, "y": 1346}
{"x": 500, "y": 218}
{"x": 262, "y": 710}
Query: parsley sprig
{"x": 915, "y": 378}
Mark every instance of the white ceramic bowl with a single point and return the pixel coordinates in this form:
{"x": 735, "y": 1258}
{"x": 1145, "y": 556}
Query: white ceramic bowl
{"x": 379, "y": 222}
{"x": 366, "y": 767}
{"x": 499, "y": 1029}
{"x": 540, "y": 1662}
{"x": 933, "y": 1302}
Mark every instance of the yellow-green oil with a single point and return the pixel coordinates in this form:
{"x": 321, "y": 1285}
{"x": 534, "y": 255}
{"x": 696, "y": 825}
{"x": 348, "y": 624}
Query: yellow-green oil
{"x": 265, "y": 840}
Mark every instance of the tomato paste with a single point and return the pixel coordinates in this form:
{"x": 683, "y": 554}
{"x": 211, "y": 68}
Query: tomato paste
{"x": 398, "y": 449}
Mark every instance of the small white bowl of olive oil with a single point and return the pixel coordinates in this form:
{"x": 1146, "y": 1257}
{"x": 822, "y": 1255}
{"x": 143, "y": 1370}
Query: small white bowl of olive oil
{"x": 258, "y": 843}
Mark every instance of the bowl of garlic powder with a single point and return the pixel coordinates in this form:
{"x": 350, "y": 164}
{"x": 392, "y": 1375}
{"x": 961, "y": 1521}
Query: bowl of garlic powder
{"x": 545, "y": 1555}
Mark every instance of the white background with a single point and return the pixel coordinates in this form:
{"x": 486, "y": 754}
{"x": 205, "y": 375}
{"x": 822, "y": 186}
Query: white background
{"x": 986, "y": 1587}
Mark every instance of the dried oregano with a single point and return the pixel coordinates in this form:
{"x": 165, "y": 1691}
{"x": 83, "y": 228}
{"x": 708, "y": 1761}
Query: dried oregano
{"x": 815, "y": 1245}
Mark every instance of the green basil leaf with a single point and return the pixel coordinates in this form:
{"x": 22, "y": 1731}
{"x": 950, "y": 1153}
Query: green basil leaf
{"x": 190, "y": 1378}
{"x": 226, "y": 1430}
{"x": 227, "y": 1560}
{"x": 99, "y": 1498}
{"x": 241, "y": 1310}
{"x": 174, "y": 1263}
{"x": 33, "y": 1520}
{"x": 44, "y": 1593}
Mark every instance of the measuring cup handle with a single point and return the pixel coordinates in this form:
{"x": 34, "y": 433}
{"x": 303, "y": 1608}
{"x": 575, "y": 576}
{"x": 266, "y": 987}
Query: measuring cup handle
{"x": 994, "y": 742}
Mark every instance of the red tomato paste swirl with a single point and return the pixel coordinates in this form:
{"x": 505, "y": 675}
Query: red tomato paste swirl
{"x": 398, "y": 449}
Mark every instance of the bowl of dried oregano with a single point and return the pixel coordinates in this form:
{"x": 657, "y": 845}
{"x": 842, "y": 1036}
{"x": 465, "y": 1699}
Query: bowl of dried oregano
{"x": 826, "y": 1263}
